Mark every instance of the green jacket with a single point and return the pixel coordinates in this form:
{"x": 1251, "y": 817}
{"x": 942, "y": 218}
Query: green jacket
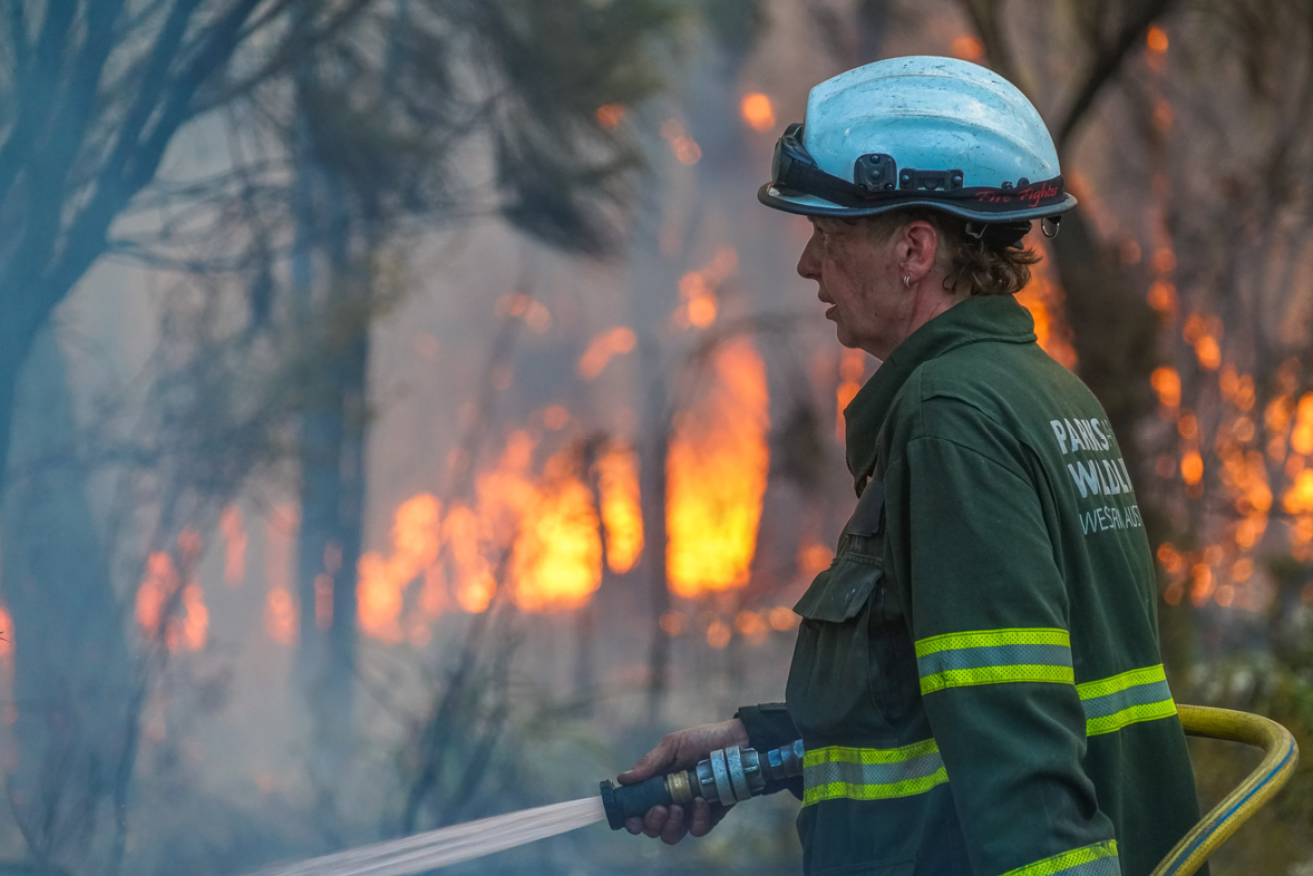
{"x": 977, "y": 677}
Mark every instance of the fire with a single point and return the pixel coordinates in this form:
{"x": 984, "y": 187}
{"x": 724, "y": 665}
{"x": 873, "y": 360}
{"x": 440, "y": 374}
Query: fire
{"x": 280, "y": 608}
{"x": 622, "y": 515}
{"x": 234, "y": 554}
{"x": 1156, "y": 39}
{"x": 757, "y": 111}
{"x": 189, "y": 630}
{"x": 6, "y": 635}
{"x": 602, "y": 348}
{"x": 716, "y": 477}
{"x": 381, "y": 581}
{"x": 159, "y": 583}
{"x": 852, "y": 368}
{"x": 476, "y": 582}
{"x": 697, "y": 289}
{"x": 280, "y": 616}
{"x": 557, "y": 561}
{"x": 1043, "y": 297}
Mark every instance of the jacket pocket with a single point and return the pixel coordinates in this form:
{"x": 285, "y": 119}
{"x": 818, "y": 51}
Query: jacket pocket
{"x": 834, "y": 687}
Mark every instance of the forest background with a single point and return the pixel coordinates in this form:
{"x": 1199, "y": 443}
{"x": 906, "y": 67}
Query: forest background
{"x": 410, "y": 415}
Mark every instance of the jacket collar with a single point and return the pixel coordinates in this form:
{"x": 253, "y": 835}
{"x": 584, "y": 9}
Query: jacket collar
{"x": 979, "y": 318}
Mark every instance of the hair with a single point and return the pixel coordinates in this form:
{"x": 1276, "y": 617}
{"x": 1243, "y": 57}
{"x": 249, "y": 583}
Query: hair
{"x": 974, "y": 265}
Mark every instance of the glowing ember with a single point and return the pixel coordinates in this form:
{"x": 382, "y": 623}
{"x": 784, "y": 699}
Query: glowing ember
{"x": 814, "y": 558}
{"x": 610, "y": 115}
{"x": 1192, "y": 467}
{"x": 719, "y": 634}
{"x": 757, "y": 111}
{"x": 234, "y": 554}
{"x": 686, "y": 149}
{"x": 716, "y": 477}
{"x": 622, "y": 515}
{"x": 1167, "y": 383}
{"x": 1156, "y": 39}
{"x": 968, "y": 48}
{"x": 697, "y": 290}
{"x": 601, "y": 349}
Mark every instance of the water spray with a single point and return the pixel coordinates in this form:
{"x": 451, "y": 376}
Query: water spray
{"x": 727, "y": 776}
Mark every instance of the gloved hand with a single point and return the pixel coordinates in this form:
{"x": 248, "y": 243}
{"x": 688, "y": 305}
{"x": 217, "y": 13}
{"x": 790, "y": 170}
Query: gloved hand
{"x": 682, "y": 750}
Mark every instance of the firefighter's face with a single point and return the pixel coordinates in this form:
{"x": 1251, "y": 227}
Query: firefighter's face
{"x": 861, "y": 277}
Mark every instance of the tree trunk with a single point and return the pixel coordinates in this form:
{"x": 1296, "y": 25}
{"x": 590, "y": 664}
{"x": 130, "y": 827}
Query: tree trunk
{"x": 72, "y": 668}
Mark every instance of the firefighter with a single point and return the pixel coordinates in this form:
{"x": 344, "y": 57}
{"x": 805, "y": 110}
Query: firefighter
{"x": 977, "y": 677}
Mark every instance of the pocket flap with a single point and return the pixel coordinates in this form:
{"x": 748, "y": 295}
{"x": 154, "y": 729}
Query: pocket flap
{"x": 839, "y": 592}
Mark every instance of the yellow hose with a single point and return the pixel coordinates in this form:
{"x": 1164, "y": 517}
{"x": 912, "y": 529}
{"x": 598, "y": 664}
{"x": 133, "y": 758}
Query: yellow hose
{"x": 1281, "y": 755}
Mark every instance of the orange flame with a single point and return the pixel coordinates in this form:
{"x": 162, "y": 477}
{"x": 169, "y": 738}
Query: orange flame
{"x": 381, "y": 582}
{"x": 613, "y": 342}
{"x": 757, "y": 111}
{"x": 280, "y": 608}
{"x": 6, "y": 635}
{"x": 280, "y": 616}
{"x": 557, "y": 561}
{"x": 716, "y": 477}
{"x": 159, "y": 583}
{"x": 234, "y": 554}
{"x": 852, "y": 368}
{"x": 622, "y": 515}
{"x": 186, "y": 632}
{"x": 1043, "y": 297}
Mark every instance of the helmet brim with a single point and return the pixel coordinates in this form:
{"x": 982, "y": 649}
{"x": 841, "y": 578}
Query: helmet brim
{"x": 802, "y": 204}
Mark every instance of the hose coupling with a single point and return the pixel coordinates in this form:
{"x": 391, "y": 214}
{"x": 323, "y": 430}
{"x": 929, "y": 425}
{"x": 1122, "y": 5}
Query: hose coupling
{"x": 727, "y": 776}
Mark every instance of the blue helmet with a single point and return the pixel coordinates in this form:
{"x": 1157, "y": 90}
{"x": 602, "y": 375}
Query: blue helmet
{"x": 919, "y": 132}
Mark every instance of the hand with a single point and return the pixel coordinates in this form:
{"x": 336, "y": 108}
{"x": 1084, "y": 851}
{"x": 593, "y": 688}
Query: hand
{"x": 682, "y": 750}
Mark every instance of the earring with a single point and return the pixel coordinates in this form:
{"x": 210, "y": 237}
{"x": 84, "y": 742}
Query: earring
{"x": 907, "y": 281}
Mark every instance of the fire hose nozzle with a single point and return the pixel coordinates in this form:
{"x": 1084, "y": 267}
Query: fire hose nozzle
{"x": 727, "y": 776}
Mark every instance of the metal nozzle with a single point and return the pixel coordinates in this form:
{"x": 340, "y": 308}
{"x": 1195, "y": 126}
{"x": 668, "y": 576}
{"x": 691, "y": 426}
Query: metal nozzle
{"x": 727, "y": 776}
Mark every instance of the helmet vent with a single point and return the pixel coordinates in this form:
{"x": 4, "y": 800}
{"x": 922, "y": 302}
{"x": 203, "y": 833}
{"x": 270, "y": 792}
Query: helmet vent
{"x": 930, "y": 180}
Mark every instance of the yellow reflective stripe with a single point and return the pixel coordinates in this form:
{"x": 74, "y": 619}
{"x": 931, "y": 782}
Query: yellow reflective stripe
{"x": 837, "y": 754}
{"x": 1126, "y": 717}
{"x": 1099, "y": 859}
{"x": 887, "y": 791}
{"x": 1128, "y": 698}
{"x": 1104, "y": 686}
{"x": 993, "y": 638}
{"x": 996, "y": 675}
{"x": 838, "y": 772}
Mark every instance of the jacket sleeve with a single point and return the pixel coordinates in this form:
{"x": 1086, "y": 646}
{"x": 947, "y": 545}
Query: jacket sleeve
{"x": 989, "y": 617}
{"x": 769, "y": 725}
